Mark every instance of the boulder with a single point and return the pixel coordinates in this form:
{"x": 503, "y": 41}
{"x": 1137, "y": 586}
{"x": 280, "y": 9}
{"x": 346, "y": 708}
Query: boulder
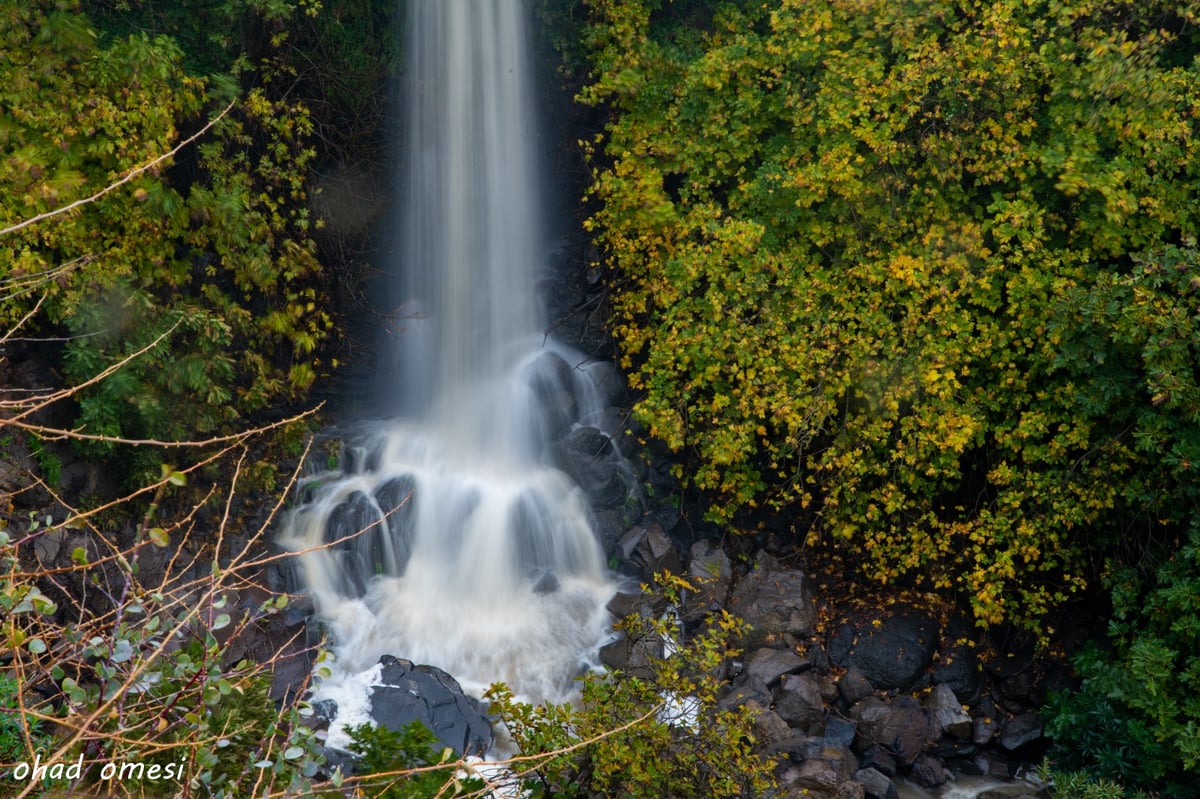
{"x": 876, "y": 784}
{"x": 603, "y": 481}
{"x": 798, "y": 702}
{"x": 958, "y": 669}
{"x": 1020, "y": 731}
{"x": 928, "y": 772}
{"x": 854, "y": 685}
{"x": 892, "y": 649}
{"x": 650, "y": 550}
{"x": 774, "y": 600}
{"x": 711, "y": 572}
{"x": 899, "y": 728}
{"x": 407, "y": 693}
{"x": 947, "y": 714}
{"x": 769, "y": 728}
{"x": 769, "y": 665}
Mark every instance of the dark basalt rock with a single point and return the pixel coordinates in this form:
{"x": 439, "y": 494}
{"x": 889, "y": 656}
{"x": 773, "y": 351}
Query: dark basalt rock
{"x": 409, "y": 693}
{"x": 1020, "y": 731}
{"x": 892, "y": 649}
{"x": 775, "y": 600}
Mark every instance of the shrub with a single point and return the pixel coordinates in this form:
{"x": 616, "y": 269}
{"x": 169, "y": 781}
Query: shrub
{"x": 658, "y": 732}
{"x": 1136, "y": 716}
{"x": 849, "y": 293}
{"x": 402, "y": 764}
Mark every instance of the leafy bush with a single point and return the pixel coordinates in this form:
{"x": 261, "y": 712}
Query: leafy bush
{"x": 1136, "y": 717}
{"x": 849, "y": 293}
{"x": 402, "y": 760}
{"x": 657, "y": 732}
{"x": 201, "y": 263}
{"x": 139, "y": 668}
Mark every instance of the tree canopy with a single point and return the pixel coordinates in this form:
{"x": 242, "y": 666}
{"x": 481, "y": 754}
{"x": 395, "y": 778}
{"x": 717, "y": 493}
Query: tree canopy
{"x": 201, "y": 254}
{"x": 920, "y": 273}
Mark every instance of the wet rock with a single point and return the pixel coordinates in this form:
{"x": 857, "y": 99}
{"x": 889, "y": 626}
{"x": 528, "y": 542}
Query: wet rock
{"x": 650, "y": 550}
{"x": 610, "y": 526}
{"x": 774, "y": 600}
{"x": 840, "y": 732}
{"x": 769, "y": 665}
{"x": 603, "y": 481}
{"x": 876, "y": 784}
{"x": 547, "y": 583}
{"x": 892, "y": 649}
{"x": 854, "y": 685}
{"x": 901, "y": 730}
{"x": 748, "y": 690}
{"x": 409, "y": 693}
{"x": 325, "y": 709}
{"x": 1021, "y": 731}
{"x": 983, "y": 730}
{"x": 928, "y": 772}
{"x": 712, "y": 574}
{"x": 553, "y": 385}
{"x": 947, "y": 714}
{"x": 798, "y": 702}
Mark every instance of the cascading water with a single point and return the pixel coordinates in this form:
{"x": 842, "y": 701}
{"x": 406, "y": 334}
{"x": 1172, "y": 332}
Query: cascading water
{"x": 454, "y": 542}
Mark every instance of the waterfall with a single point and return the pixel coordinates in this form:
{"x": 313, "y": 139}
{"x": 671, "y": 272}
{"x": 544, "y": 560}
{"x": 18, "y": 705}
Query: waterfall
{"x": 446, "y": 537}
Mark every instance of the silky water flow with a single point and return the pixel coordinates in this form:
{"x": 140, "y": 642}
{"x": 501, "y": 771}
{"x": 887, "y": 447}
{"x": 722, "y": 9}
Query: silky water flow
{"x": 454, "y": 542}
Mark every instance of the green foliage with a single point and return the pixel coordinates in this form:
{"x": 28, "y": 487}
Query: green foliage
{"x": 1136, "y": 717}
{"x": 48, "y": 462}
{"x": 402, "y": 759}
{"x": 205, "y": 261}
{"x": 657, "y": 732}
{"x": 875, "y": 284}
{"x": 147, "y": 685}
{"x": 18, "y": 737}
{"x": 1079, "y": 785}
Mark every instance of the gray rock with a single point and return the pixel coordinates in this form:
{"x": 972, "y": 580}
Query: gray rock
{"x": 928, "y": 772}
{"x": 769, "y": 665}
{"x": 876, "y": 784}
{"x": 839, "y": 731}
{"x": 650, "y": 550}
{"x": 854, "y": 685}
{"x": 769, "y": 728}
{"x": 983, "y": 730}
{"x": 409, "y": 693}
{"x": 773, "y": 600}
{"x": 711, "y": 573}
{"x": 879, "y": 758}
{"x": 902, "y": 731}
{"x": 947, "y": 714}
{"x": 798, "y": 702}
{"x": 1020, "y": 731}
{"x": 748, "y": 690}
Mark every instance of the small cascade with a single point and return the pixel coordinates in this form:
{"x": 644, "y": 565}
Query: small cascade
{"x": 447, "y": 537}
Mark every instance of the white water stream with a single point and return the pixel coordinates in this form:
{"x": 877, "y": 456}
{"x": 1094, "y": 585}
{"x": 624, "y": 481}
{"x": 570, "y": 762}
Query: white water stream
{"x": 457, "y": 544}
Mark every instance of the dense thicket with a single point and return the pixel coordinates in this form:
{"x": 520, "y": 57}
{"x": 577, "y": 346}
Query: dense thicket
{"x": 922, "y": 275}
{"x": 205, "y": 259}
{"x": 923, "y": 268}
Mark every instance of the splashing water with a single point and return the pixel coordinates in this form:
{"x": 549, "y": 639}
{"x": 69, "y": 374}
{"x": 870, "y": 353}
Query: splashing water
{"x": 453, "y": 542}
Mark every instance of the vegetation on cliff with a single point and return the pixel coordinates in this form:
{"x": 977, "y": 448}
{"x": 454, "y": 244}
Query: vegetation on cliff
{"x": 923, "y": 276}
